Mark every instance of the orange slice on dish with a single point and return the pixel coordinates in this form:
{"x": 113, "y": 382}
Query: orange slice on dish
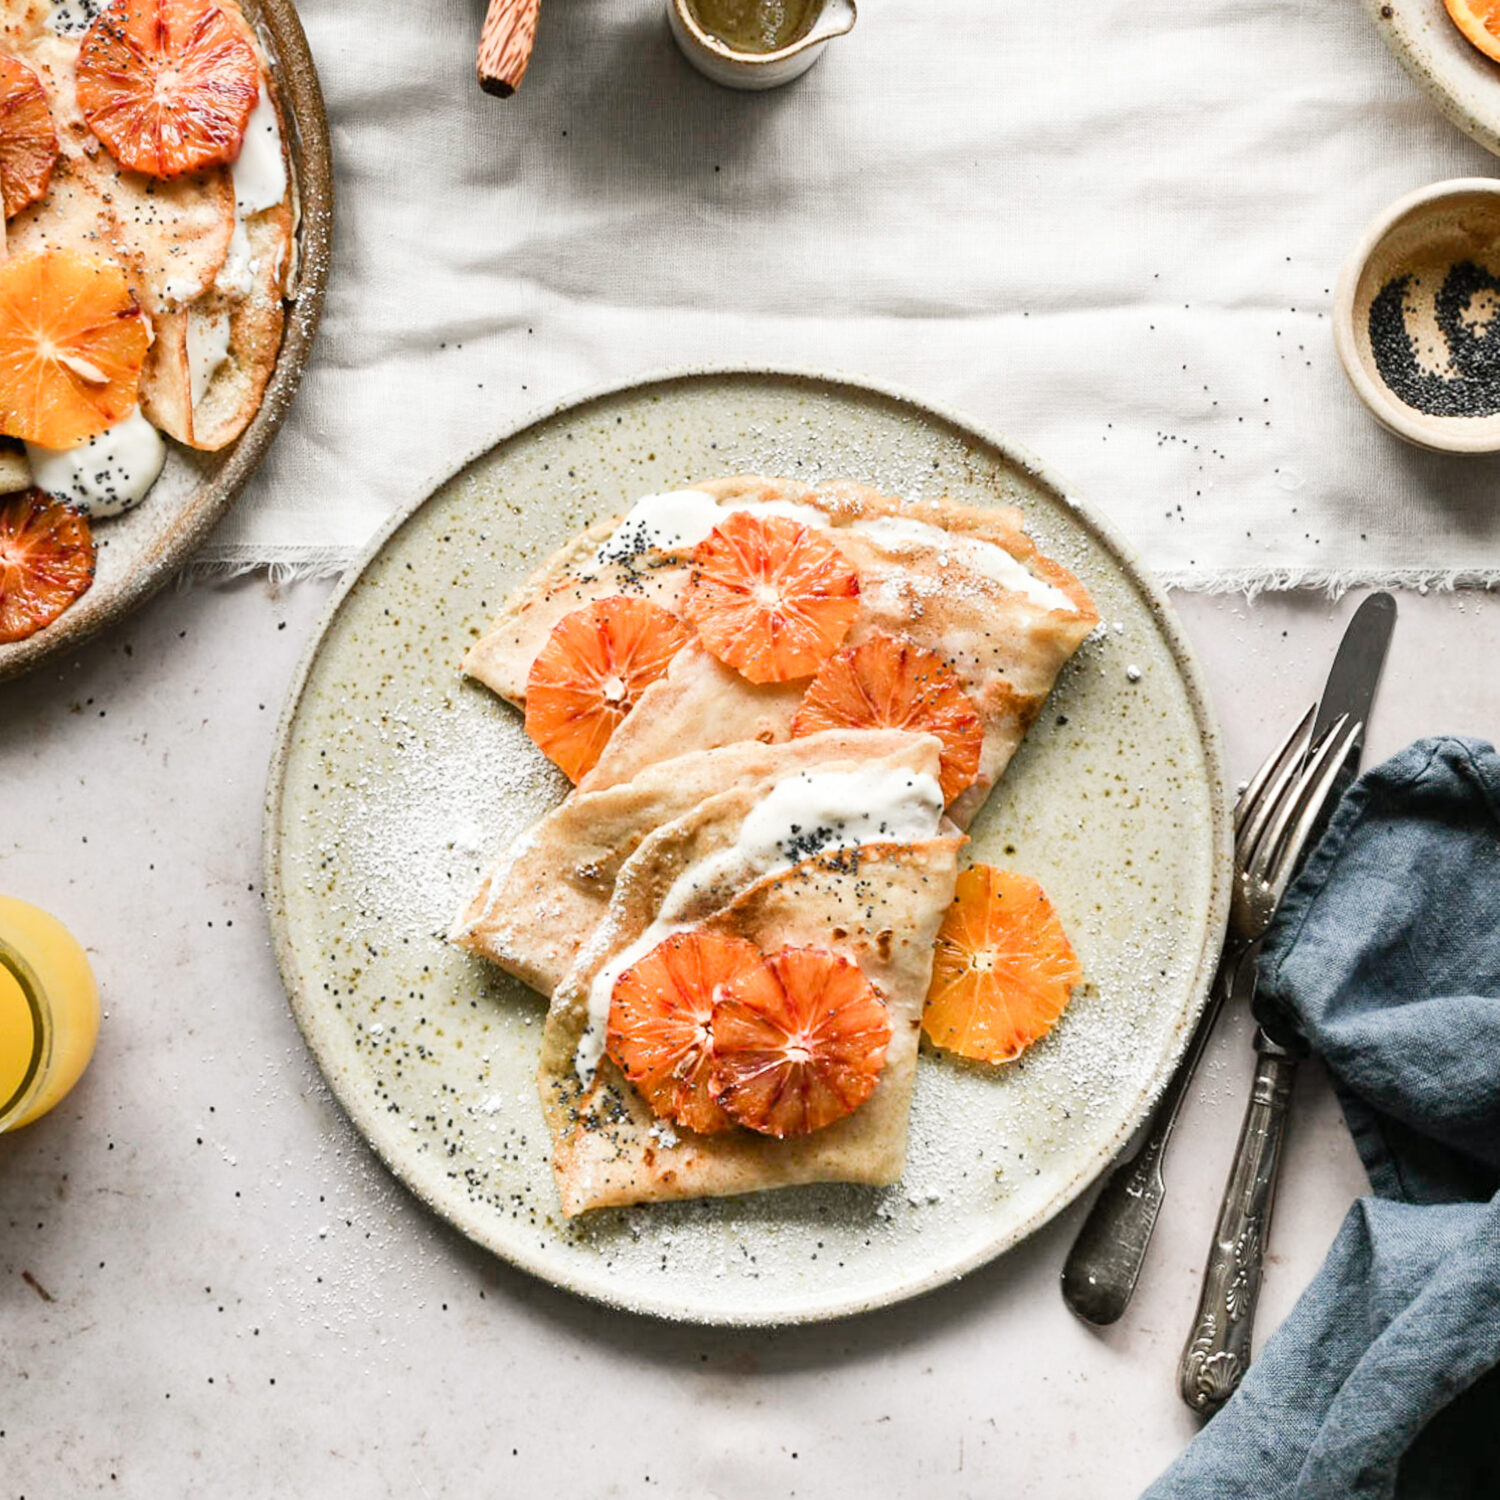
{"x": 661, "y": 1024}
{"x": 28, "y": 141}
{"x": 799, "y": 1042}
{"x": 46, "y": 562}
{"x": 596, "y": 663}
{"x": 72, "y": 342}
{"x": 770, "y": 597}
{"x": 1002, "y": 969}
{"x": 1479, "y": 20}
{"x": 167, "y": 85}
{"x": 891, "y": 683}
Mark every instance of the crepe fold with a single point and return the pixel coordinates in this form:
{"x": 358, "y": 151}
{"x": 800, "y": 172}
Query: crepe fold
{"x": 536, "y": 911}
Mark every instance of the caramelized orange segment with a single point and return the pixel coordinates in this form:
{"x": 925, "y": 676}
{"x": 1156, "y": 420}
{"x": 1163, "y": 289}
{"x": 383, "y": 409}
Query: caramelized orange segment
{"x": 46, "y": 562}
{"x": 167, "y": 85}
{"x": 799, "y": 1042}
{"x": 1002, "y": 970}
{"x": 596, "y": 663}
{"x": 28, "y": 140}
{"x": 72, "y": 342}
{"x": 661, "y": 1024}
{"x": 891, "y": 683}
{"x": 1479, "y": 20}
{"x": 770, "y": 597}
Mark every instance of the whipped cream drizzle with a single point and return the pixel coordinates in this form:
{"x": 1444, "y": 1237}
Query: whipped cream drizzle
{"x": 105, "y": 474}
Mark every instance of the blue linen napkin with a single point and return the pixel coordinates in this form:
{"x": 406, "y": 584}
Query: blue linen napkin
{"x": 1385, "y": 959}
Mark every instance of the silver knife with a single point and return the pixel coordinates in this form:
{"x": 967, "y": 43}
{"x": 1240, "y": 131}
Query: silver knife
{"x": 1218, "y": 1347}
{"x": 1355, "y": 675}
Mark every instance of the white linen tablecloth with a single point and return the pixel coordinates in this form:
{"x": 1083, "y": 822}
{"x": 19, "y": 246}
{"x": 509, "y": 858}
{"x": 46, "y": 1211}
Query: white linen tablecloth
{"x": 1109, "y": 233}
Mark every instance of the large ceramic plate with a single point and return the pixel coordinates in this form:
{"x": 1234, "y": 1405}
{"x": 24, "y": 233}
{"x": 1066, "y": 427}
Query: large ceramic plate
{"x": 395, "y": 781}
{"x": 1462, "y": 81}
{"x": 141, "y": 550}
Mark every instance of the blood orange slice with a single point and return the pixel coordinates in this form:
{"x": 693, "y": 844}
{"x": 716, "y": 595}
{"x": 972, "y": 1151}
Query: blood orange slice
{"x": 46, "y": 562}
{"x": 167, "y": 85}
{"x": 28, "y": 141}
{"x": 770, "y": 597}
{"x": 72, "y": 342}
{"x": 799, "y": 1042}
{"x": 1003, "y": 969}
{"x": 1479, "y": 20}
{"x": 596, "y": 663}
{"x": 891, "y": 683}
{"x": 661, "y": 1023}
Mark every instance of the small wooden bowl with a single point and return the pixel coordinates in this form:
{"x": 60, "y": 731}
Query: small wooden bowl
{"x": 1416, "y": 316}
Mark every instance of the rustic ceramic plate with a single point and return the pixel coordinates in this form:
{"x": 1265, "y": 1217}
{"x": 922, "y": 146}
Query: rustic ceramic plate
{"x": 141, "y": 550}
{"x": 1462, "y": 81}
{"x": 395, "y": 781}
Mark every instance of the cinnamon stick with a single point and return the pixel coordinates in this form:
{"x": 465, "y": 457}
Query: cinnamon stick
{"x": 505, "y": 45}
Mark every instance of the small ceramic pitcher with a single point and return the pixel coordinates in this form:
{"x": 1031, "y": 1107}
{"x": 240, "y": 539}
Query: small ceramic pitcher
{"x": 724, "y": 64}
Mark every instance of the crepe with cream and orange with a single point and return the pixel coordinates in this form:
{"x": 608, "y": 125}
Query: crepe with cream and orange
{"x": 966, "y": 583}
{"x": 864, "y": 903}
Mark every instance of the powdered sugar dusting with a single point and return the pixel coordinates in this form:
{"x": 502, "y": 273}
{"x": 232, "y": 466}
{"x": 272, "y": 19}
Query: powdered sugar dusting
{"x": 402, "y": 782}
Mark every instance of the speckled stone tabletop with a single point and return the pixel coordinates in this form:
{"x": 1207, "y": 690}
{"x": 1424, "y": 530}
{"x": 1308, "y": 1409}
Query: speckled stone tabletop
{"x": 208, "y": 1285}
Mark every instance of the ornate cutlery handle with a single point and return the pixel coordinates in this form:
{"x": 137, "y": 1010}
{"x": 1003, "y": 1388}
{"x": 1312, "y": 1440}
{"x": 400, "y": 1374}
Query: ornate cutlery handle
{"x": 1218, "y": 1348}
{"x": 1102, "y": 1268}
{"x": 1105, "y": 1262}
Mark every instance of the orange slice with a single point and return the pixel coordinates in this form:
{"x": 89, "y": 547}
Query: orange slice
{"x": 1479, "y": 20}
{"x": 72, "y": 342}
{"x": 891, "y": 683}
{"x": 1002, "y": 969}
{"x": 799, "y": 1042}
{"x": 46, "y": 562}
{"x": 770, "y": 597}
{"x": 167, "y": 85}
{"x": 28, "y": 141}
{"x": 596, "y": 663}
{"x": 661, "y": 1023}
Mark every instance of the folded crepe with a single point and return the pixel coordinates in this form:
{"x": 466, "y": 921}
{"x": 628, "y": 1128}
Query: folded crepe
{"x": 537, "y": 909}
{"x": 873, "y": 900}
{"x": 964, "y": 582}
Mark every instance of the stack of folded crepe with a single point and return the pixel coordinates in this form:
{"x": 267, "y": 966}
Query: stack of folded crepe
{"x": 802, "y": 788}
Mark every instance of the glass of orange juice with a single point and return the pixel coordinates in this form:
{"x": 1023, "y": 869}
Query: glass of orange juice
{"x": 49, "y": 1012}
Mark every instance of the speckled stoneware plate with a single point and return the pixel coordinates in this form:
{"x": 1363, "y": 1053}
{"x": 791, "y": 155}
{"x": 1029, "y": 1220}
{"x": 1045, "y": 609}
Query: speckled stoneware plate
{"x": 1462, "y": 81}
{"x": 395, "y": 781}
{"x": 141, "y": 550}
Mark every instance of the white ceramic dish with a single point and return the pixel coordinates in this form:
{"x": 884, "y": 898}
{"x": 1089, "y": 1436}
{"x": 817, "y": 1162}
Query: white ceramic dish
{"x": 394, "y": 781}
{"x": 717, "y": 60}
{"x": 1462, "y": 81}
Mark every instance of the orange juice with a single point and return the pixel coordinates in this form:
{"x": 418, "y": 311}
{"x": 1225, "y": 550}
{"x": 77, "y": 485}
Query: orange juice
{"x": 49, "y": 1012}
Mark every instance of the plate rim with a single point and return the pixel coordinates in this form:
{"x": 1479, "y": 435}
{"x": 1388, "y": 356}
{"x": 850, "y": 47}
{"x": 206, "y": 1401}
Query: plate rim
{"x": 1205, "y": 723}
{"x": 1422, "y": 65}
{"x": 296, "y": 77}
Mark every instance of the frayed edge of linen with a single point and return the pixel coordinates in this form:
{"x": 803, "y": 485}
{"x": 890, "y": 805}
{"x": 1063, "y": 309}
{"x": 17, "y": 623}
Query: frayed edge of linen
{"x": 288, "y": 565}
{"x": 281, "y": 565}
{"x": 1332, "y": 582}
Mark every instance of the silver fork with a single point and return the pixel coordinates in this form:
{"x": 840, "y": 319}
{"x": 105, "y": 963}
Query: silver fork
{"x": 1104, "y": 1265}
{"x": 1268, "y": 850}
